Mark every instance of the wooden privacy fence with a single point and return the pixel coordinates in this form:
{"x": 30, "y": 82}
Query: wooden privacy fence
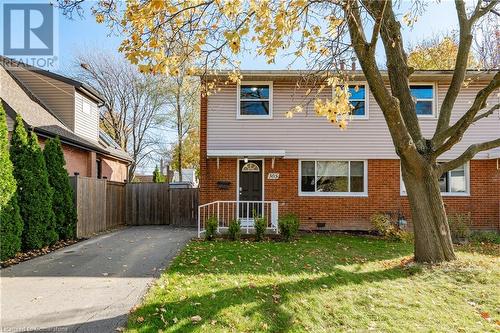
{"x": 102, "y": 205}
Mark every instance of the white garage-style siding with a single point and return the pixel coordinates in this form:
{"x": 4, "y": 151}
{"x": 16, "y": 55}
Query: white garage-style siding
{"x": 309, "y": 136}
{"x": 86, "y": 118}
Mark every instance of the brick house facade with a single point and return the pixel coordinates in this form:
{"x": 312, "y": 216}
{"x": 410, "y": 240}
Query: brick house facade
{"x": 382, "y": 184}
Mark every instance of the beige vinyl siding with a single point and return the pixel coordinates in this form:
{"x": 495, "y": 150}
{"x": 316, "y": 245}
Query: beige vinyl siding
{"x": 308, "y": 136}
{"x": 56, "y": 95}
{"x": 86, "y": 123}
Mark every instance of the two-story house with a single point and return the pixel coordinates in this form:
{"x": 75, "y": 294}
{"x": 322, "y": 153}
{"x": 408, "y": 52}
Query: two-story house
{"x": 254, "y": 159}
{"x": 53, "y": 105}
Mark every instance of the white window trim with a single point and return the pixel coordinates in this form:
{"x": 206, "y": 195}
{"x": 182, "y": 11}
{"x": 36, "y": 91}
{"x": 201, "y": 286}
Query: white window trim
{"x": 367, "y": 99}
{"x": 434, "y": 99}
{"x": 238, "y": 100}
{"x": 334, "y": 194}
{"x": 402, "y": 190}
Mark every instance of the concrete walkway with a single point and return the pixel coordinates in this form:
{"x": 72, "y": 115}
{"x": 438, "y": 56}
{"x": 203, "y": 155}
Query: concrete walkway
{"x": 89, "y": 286}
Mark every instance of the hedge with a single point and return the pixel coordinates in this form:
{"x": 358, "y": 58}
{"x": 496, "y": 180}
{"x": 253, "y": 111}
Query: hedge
{"x": 11, "y": 224}
{"x": 62, "y": 201}
{"x": 34, "y": 192}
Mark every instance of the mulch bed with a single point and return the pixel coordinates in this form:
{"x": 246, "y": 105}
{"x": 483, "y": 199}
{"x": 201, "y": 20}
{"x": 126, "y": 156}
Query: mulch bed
{"x": 23, "y": 256}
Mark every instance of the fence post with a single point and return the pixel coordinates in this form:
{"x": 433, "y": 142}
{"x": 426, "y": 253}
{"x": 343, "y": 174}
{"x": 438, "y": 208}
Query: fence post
{"x": 199, "y": 221}
{"x": 218, "y": 218}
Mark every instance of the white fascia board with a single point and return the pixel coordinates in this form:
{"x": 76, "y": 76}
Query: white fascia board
{"x": 245, "y": 153}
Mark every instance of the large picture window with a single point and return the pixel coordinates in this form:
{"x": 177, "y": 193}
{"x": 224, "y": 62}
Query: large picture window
{"x": 255, "y": 100}
{"x": 424, "y": 95}
{"x": 332, "y": 177}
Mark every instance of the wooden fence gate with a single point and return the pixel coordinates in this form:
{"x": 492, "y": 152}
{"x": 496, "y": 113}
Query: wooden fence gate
{"x": 102, "y": 205}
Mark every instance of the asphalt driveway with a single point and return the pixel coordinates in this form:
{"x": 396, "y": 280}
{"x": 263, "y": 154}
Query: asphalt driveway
{"x": 89, "y": 286}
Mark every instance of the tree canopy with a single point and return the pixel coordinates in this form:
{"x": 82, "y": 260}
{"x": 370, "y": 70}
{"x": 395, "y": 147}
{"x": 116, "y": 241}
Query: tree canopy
{"x": 437, "y": 54}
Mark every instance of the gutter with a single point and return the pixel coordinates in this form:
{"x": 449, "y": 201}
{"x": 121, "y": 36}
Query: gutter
{"x": 50, "y": 135}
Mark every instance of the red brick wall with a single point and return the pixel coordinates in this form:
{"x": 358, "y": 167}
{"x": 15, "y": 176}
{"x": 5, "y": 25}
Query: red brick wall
{"x": 84, "y": 162}
{"x": 114, "y": 170}
{"x": 77, "y": 160}
{"x": 353, "y": 213}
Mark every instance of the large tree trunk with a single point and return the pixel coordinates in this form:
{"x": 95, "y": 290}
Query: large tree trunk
{"x": 432, "y": 235}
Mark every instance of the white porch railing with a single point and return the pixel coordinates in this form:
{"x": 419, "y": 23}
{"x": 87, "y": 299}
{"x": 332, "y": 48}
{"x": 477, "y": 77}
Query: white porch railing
{"x": 226, "y": 211}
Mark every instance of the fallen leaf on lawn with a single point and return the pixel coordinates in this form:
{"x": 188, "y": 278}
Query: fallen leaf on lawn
{"x": 195, "y": 319}
{"x": 485, "y": 315}
{"x": 213, "y": 322}
{"x": 140, "y": 319}
{"x": 120, "y": 329}
{"x": 276, "y": 298}
{"x": 175, "y": 320}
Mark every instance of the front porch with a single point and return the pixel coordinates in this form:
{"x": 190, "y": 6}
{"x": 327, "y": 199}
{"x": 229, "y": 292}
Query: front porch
{"x": 227, "y": 211}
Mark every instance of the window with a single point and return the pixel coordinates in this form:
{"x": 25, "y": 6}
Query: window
{"x": 250, "y": 167}
{"x": 255, "y": 100}
{"x": 332, "y": 177}
{"x": 424, "y": 96}
{"x": 454, "y": 182}
{"x": 86, "y": 107}
{"x": 358, "y": 100}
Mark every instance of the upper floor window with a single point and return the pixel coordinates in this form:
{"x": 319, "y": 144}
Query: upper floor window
{"x": 358, "y": 100}
{"x": 424, "y": 96}
{"x": 86, "y": 107}
{"x": 255, "y": 99}
{"x": 333, "y": 178}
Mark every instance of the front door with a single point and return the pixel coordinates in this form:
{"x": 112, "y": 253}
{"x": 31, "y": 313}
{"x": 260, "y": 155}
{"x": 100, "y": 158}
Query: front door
{"x": 250, "y": 174}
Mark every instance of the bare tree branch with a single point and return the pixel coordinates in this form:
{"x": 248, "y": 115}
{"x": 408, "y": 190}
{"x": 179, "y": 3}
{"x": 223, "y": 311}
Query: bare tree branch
{"x": 467, "y": 155}
{"x": 487, "y": 113}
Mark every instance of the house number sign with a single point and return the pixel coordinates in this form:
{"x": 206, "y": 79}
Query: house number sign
{"x": 273, "y": 175}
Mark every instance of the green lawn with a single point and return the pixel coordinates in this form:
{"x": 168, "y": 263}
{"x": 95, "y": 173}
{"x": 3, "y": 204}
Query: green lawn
{"x": 321, "y": 283}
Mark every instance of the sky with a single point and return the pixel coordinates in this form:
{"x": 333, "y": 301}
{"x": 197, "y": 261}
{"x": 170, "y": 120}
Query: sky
{"x": 84, "y": 34}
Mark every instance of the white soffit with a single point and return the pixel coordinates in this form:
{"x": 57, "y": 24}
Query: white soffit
{"x": 495, "y": 153}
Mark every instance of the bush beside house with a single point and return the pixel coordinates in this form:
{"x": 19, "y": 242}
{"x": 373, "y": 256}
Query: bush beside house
{"x": 34, "y": 192}
{"x": 288, "y": 226}
{"x": 62, "y": 201}
{"x": 11, "y": 225}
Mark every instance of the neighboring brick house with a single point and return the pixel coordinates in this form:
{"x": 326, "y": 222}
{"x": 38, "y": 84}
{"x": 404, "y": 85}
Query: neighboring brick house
{"x": 332, "y": 179}
{"x": 51, "y": 105}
